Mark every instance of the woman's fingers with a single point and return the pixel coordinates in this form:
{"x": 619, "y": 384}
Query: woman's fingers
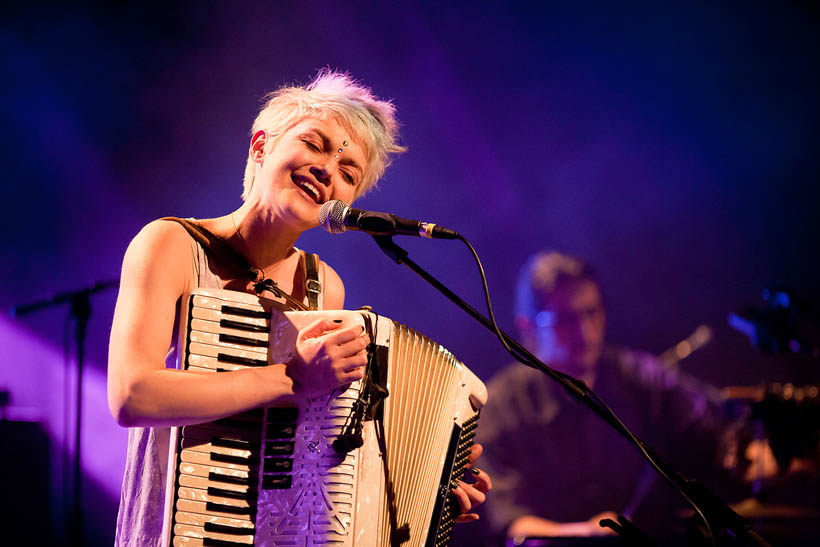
{"x": 483, "y": 482}
{"x": 475, "y": 452}
{"x": 355, "y": 347}
{"x": 345, "y": 335}
{"x": 471, "y": 495}
{"x": 325, "y": 338}
{"x": 344, "y": 342}
{"x": 351, "y": 376}
{"x": 476, "y": 496}
{"x": 316, "y": 329}
{"x": 328, "y": 356}
{"x": 467, "y": 497}
{"x": 352, "y": 363}
{"x": 462, "y": 498}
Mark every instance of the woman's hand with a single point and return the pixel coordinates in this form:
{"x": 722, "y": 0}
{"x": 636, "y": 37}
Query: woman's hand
{"x": 327, "y": 356}
{"x": 470, "y": 495}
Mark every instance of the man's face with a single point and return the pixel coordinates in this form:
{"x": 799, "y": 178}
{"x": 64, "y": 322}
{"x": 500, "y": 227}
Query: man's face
{"x": 569, "y": 331}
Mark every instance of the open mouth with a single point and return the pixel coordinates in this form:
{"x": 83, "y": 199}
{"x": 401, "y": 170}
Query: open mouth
{"x": 309, "y": 188}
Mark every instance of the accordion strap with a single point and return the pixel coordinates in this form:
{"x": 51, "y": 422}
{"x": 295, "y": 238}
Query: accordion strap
{"x": 313, "y": 287}
{"x": 240, "y": 268}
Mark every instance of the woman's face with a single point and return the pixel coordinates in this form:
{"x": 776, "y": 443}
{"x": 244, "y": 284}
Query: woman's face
{"x": 312, "y": 162}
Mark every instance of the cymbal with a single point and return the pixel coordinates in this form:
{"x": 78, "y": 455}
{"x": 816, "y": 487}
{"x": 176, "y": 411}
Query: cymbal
{"x": 752, "y": 508}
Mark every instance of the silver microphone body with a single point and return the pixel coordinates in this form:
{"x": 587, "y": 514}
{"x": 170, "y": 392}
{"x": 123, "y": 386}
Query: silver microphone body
{"x": 337, "y": 217}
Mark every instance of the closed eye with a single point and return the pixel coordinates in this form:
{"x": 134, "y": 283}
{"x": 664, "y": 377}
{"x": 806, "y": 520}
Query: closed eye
{"x": 348, "y": 176}
{"x": 311, "y": 145}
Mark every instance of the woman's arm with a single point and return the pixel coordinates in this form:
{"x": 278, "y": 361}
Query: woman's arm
{"x": 142, "y": 392}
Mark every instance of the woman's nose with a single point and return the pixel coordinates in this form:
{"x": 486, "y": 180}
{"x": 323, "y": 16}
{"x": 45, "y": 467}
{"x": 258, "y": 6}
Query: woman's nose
{"x": 322, "y": 173}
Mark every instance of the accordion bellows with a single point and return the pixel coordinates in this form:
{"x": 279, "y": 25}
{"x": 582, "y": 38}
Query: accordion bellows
{"x": 271, "y": 476}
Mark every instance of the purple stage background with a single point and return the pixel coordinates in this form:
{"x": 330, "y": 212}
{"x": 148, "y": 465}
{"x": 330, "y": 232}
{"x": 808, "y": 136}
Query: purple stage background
{"x": 676, "y": 149}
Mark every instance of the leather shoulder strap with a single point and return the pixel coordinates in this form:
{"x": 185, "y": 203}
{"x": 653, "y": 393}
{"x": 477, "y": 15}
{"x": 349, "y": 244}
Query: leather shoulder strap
{"x": 239, "y": 267}
{"x": 313, "y": 287}
{"x": 218, "y": 248}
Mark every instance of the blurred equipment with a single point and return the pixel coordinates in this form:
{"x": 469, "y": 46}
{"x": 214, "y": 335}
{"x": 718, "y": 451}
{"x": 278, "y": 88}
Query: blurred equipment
{"x": 600, "y": 541}
{"x": 671, "y": 358}
{"x": 789, "y": 525}
{"x": 4, "y": 402}
{"x": 790, "y": 420}
{"x": 786, "y": 324}
{"x": 776, "y": 447}
{"x": 25, "y": 475}
{"x": 78, "y": 315}
{"x": 683, "y": 349}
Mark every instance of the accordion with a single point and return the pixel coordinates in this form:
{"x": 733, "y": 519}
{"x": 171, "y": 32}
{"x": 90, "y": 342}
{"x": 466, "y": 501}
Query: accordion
{"x": 367, "y": 465}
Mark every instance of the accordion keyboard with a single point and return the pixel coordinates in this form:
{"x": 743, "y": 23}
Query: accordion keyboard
{"x": 270, "y": 476}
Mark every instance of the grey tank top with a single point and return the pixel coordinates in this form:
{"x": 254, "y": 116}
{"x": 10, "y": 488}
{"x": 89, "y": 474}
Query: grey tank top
{"x": 142, "y": 498}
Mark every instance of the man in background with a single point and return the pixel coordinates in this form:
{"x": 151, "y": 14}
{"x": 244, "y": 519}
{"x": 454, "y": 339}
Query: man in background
{"x": 557, "y": 468}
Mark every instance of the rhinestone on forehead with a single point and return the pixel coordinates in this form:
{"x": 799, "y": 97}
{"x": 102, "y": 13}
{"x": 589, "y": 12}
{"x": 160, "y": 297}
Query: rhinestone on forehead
{"x": 340, "y": 150}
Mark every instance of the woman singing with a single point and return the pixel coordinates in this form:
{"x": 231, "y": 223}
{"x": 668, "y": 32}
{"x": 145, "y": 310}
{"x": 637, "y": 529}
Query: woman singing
{"x": 329, "y": 140}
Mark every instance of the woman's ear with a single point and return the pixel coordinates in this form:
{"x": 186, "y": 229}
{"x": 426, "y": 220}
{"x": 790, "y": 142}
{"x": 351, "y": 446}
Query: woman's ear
{"x": 257, "y": 149}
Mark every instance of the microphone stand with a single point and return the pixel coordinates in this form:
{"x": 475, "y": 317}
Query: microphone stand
{"x": 719, "y": 513}
{"x": 79, "y": 313}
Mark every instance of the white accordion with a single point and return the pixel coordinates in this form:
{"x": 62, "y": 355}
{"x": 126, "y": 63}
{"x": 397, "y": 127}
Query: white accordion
{"x": 274, "y": 476}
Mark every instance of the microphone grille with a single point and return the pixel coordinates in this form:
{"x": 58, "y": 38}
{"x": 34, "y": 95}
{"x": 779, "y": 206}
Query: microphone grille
{"x": 332, "y": 216}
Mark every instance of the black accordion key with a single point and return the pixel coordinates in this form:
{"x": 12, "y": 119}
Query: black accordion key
{"x": 213, "y": 542}
{"x": 236, "y": 360}
{"x": 227, "y": 458}
{"x": 242, "y": 341}
{"x": 287, "y": 415}
{"x": 229, "y": 479}
{"x": 234, "y": 423}
{"x": 232, "y": 494}
{"x": 232, "y": 509}
{"x": 243, "y": 312}
{"x": 239, "y": 325}
{"x": 225, "y": 529}
{"x": 234, "y": 443}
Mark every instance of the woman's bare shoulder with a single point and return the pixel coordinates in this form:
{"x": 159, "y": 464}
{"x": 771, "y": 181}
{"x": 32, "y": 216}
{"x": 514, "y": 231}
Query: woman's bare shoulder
{"x": 162, "y": 248}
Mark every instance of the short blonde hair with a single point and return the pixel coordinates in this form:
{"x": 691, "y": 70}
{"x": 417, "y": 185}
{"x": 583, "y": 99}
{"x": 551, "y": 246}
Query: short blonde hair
{"x": 333, "y": 95}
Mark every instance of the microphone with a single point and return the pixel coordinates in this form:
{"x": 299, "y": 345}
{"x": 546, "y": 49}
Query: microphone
{"x": 337, "y": 217}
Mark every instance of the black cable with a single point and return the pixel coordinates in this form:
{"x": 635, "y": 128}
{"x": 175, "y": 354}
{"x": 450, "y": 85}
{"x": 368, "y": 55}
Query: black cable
{"x": 486, "y": 294}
